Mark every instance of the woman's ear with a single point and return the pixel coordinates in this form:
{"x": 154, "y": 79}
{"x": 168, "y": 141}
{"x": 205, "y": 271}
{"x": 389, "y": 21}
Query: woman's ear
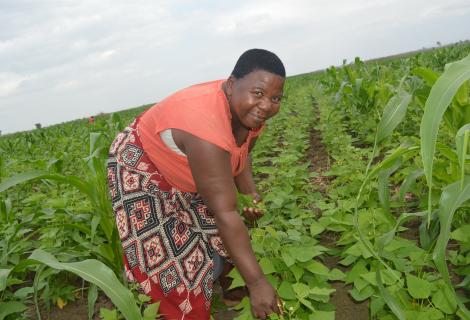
{"x": 229, "y": 85}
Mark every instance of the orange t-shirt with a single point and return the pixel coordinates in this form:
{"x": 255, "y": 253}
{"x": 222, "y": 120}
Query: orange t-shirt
{"x": 201, "y": 110}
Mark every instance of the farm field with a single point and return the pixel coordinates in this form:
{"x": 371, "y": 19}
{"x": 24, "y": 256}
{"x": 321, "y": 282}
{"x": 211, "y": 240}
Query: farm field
{"x": 365, "y": 180}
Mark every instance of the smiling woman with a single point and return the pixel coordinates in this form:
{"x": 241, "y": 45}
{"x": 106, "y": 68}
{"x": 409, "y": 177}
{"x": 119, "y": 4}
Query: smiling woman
{"x": 173, "y": 177}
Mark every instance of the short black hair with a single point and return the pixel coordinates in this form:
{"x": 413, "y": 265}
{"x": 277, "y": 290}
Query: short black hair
{"x": 258, "y": 59}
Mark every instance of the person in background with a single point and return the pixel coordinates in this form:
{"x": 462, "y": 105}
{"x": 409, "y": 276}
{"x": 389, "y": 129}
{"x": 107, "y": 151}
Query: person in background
{"x": 91, "y": 120}
{"x": 173, "y": 176}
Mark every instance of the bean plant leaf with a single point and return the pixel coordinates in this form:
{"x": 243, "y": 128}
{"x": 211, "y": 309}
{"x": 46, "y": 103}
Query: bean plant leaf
{"x": 285, "y": 291}
{"x": 97, "y": 273}
{"x": 316, "y": 228}
{"x": 237, "y": 280}
{"x": 267, "y": 266}
{"x": 151, "y": 311}
{"x": 428, "y": 75}
{"x": 461, "y": 234}
{"x": 11, "y": 307}
{"x": 322, "y": 315}
{"x": 317, "y": 268}
{"x": 417, "y": 287}
{"x": 301, "y": 290}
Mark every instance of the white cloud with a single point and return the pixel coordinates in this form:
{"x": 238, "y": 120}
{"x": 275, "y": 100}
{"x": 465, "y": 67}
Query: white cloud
{"x": 71, "y": 58}
{"x": 10, "y": 83}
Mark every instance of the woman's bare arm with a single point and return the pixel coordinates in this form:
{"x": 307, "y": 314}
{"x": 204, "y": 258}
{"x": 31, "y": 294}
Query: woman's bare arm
{"x": 211, "y": 169}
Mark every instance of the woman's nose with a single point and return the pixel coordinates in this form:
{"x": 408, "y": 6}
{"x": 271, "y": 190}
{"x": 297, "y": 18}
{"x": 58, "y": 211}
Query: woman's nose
{"x": 265, "y": 105}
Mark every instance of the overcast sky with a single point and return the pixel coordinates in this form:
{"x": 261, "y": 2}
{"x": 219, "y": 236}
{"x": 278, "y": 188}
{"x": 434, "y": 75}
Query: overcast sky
{"x": 61, "y": 59}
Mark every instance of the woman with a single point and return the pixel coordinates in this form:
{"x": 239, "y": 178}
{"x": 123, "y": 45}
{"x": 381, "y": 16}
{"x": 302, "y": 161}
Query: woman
{"x": 173, "y": 177}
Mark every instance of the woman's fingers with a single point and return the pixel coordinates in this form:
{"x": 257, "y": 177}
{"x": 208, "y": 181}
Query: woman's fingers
{"x": 260, "y": 315}
{"x": 256, "y": 197}
{"x": 249, "y": 214}
{"x": 252, "y": 213}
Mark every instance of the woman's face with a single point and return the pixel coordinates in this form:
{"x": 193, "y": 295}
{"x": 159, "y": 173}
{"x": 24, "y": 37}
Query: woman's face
{"x": 254, "y": 98}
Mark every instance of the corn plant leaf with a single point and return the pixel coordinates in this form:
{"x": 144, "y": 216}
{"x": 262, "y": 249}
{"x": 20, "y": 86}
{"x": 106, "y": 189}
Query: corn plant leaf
{"x": 452, "y": 198}
{"x": 383, "y": 185}
{"x": 99, "y": 274}
{"x": 385, "y": 164}
{"x": 3, "y": 278}
{"x": 394, "y": 113}
{"x": 11, "y": 307}
{"x": 417, "y": 287}
{"x": 408, "y": 182}
{"x": 35, "y": 175}
{"x": 387, "y": 237}
{"x": 20, "y": 178}
{"x": 439, "y": 99}
{"x": 445, "y": 300}
{"x": 460, "y": 144}
{"x": 390, "y": 160}
{"x": 92, "y": 296}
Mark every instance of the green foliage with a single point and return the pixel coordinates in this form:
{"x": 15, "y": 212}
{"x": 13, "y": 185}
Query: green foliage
{"x": 399, "y": 199}
{"x": 366, "y": 207}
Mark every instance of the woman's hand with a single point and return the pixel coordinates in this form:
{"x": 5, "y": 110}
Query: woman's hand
{"x": 250, "y": 213}
{"x": 263, "y": 298}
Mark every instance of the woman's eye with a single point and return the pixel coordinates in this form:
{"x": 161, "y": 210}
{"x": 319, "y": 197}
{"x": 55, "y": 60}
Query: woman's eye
{"x": 276, "y": 99}
{"x": 258, "y": 93}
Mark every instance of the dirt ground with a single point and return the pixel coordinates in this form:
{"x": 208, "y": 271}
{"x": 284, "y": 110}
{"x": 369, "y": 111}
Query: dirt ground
{"x": 346, "y": 307}
{"x": 78, "y": 310}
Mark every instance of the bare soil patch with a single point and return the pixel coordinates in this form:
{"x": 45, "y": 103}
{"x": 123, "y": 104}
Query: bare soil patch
{"x": 346, "y": 307}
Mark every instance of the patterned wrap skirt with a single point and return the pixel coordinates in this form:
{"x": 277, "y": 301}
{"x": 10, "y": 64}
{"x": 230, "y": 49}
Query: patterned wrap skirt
{"x": 169, "y": 238}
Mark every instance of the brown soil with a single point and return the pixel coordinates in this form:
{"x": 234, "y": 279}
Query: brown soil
{"x": 346, "y": 307}
{"x": 74, "y": 310}
{"x": 222, "y": 312}
{"x": 320, "y": 161}
{"x": 78, "y": 309}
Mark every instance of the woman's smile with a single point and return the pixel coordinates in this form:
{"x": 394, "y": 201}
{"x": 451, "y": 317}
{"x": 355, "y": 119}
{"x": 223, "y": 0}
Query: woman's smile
{"x": 257, "y": 117}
